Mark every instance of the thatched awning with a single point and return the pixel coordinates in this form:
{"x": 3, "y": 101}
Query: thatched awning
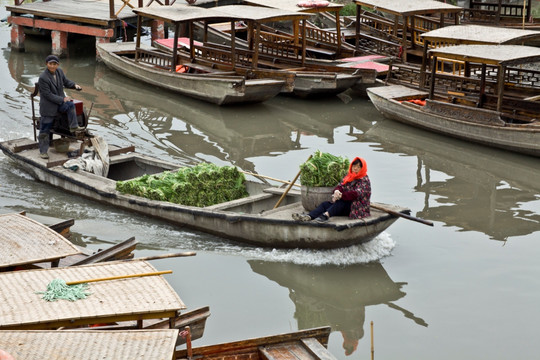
{"x": 134, "y": 298}
{"x": 292, "y": 5}
{"x": 89, "y": 344}
{"x": 26, "y": 241}
{"x": 480, "y": 34}
{"x": 490, "y": 54}
{"x": 410, "y": 7}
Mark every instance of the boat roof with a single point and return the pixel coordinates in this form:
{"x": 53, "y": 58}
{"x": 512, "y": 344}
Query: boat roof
{"x": 26, "y": 241}
{"x": 480, "y": 34}
{"x": 490, "y": 54}
{"x": 410, "y": 7}
{"x": 180, "y": 13}
{"x": 90, "y": 344}
{"x": 292, "y": 5}
{"x": 112, "y": 300}
{"x": 260, "y": 14}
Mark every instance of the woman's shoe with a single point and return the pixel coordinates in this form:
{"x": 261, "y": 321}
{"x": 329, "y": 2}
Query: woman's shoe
{"x": 322, "y": 218}
{"x": 301, "y": 217}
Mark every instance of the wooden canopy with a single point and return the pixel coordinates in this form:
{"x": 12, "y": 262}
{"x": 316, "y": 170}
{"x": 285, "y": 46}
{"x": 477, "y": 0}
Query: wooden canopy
{"x": 480, "y": 34}
{"x": 505, "y": 55}
{"x": 178, "y": 13}
{"x": 410, "y": 7}
{"x": 26, "y": 241}
{"x": 261, "y": 14}
{"x": 89, "y": 344}
{"x": 137, "y": 298}
{"x": 292, "y": 5}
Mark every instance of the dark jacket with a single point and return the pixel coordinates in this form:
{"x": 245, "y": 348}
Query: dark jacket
{"x": 51, "y": 92}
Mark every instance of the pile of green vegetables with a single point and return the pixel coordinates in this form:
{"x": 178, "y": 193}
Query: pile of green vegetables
{"x": 201, "y": 185}
{"x": 323, "y": 169}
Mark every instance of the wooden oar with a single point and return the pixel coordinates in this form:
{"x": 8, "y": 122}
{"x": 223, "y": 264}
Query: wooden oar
{"x": 397, "y": 213}
{"x": 290, "y": 185}
{"x": 119, "y": 277}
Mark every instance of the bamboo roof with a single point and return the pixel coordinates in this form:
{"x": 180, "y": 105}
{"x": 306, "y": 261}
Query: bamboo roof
{"x": 90, "y": 344}
{"x": 490, "y": 54}
{"x": 26, "y": 241}
{"x": 112, "y": 300}
{"x": 410, "y": 7}
{"x": 256, "y": 13}
{"x": 180, "y": 13}
{"x": 292, "y": 5}
{"x": 480, "y": 34}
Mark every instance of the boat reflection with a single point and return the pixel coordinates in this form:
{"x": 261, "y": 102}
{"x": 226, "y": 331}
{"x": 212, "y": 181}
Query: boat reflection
{"x": 232, "y": 133}
{"x": 336, "y": 296}
{"x": 482, "y": 189}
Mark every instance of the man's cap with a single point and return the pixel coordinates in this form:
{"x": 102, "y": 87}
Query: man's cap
{"x": 52, "y": 58}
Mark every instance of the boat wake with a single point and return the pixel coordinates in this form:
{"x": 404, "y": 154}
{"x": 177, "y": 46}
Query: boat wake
{"x": 374, "y": 250}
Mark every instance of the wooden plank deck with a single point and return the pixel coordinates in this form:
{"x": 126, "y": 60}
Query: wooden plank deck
{"x": 94, "y": 12}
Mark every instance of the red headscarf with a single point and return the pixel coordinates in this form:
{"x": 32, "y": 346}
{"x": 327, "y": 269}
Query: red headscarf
{"x": 355, "y": 176}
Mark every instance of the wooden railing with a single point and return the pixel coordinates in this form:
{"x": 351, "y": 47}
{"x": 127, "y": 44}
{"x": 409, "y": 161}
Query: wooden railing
{"x": 321, "y": 36}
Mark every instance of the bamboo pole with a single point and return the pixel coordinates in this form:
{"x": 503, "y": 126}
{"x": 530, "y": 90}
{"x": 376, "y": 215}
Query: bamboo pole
{"x": 119, "y": 277}
{"x": 372, "y": 344}
{"x": 165, "y": 256}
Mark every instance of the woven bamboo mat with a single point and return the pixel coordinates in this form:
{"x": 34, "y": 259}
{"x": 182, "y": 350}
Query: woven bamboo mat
{"x": 26, "y": 241}
{"x": 89, "y": 345}
{"x": 122, "y": 299}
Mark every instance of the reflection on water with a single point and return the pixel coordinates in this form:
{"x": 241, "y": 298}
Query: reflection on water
{"x": 336, "y": 296}
{"x": 468, "y": 186}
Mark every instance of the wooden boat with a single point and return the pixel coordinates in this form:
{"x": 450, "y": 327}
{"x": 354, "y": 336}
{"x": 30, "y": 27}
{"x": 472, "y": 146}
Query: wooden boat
{"x": 310, "y": 344}
{"x": 414, "y": 75}
{"x": 492, "y": 100}
{"x": 264, "y": 54}
{"x": 252, "y": 220}
{"x": 159, "y": 68}
{"x": 214, "y": 86}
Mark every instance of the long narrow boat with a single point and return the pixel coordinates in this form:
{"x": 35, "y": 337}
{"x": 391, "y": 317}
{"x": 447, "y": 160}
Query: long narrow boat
{"x": 310, "y": 344}
{"x": 159, "y": 68}
{"x": 251, "y": 220}
{"x": 265, "y": 55}
{"x": 492, "y": 99}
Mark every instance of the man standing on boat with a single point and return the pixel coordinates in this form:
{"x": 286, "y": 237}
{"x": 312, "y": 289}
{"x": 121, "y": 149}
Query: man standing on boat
{"x": 53, "y": 100}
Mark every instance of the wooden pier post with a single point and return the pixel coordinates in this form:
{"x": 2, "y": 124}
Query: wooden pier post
{"x": 17, "y": 37}
{"x": 59, "y": 42}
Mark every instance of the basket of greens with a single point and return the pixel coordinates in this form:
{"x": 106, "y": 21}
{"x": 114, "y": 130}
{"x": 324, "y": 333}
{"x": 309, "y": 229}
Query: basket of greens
{"x": 319, "y": 176}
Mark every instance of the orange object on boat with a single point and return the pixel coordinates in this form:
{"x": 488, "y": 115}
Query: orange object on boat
{"x": 181, "y": 68}
{"x": 418, "y": 102}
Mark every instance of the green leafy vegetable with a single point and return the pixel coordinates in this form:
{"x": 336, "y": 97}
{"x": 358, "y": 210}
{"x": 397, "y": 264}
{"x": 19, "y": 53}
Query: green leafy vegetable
{"x": 202, "y": 185}
{"x": 323, "y": 169}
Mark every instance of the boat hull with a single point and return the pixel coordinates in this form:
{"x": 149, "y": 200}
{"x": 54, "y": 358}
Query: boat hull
{"x": 249, "y": 220}
{"x": 213, "y": 88}
{"x": 471, "y": 124}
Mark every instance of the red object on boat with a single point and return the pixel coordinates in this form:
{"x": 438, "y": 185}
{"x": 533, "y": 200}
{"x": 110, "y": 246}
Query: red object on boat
{"x": 78, "y": 106}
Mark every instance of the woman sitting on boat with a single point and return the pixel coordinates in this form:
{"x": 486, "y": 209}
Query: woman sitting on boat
{"x": 350, "y": 198}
